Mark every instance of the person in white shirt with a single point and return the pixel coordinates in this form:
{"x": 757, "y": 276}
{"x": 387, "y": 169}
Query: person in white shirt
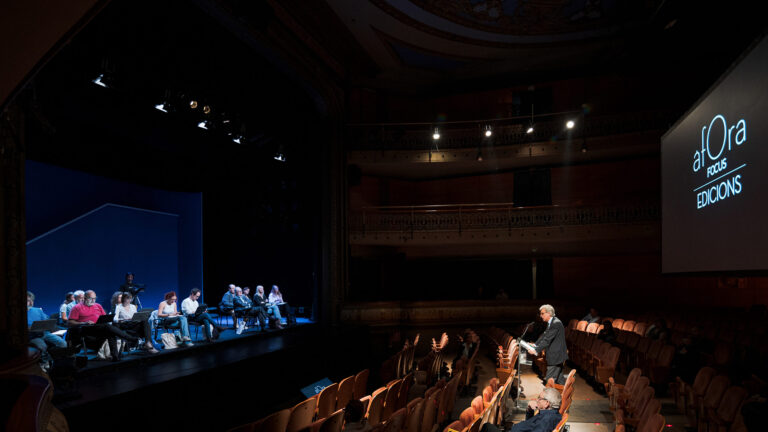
{"x": 166, "y": 310}
{"x": 189, "y": 307}
{"x": 276, "y": 298}
{"x": 64, "y": 308}
{"x": 124, "y": 312}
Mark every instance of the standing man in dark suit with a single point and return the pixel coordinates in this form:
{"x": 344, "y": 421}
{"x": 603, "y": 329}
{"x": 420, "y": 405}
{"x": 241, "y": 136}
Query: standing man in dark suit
{"x": 553, "y": 341}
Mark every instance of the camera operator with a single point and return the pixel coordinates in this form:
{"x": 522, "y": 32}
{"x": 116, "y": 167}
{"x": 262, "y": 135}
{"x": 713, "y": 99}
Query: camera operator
{"x": 133, "y": 288}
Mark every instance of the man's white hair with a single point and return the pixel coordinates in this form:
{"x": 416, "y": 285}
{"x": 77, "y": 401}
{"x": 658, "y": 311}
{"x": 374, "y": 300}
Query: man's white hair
{"x": 548, "y": 309}
{"x": 552, "y": 396}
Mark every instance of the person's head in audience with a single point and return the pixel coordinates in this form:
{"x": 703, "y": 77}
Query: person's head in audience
{"x": 353, "y": 412}
{"x": 275, "y": 290}
{"x": 549, "y": 398}
{"x": 546, "y": 312}
{"x": 30, "y": 299}
{"x": 238, "y": 291}
{"x": 90, "y": 298}
{"x": 607, "y": 325}
{"x": 126, "y": 299}
{"x": 194, "y": 294}
{"x": 593, "y": 312}
{"x": 69, "y": 298}
{"x": 247, "y": 292}
{"x": 170, "y": 297}
{"x": 232, "y": 289}
{"x": 116, "y": 298}
{"x": 79, "y": 296}
{"x": 260, "y": 290}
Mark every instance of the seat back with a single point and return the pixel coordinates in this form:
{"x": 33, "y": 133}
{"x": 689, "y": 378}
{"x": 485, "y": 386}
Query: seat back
{"x": 361, "y": 384}
{"x": 415, "y": 414}
{"x": 475, "y": 425}
{"x": 715, "y": 391}
{"x": 430, "y": 411}
{"x": 561, "y": 424}
{"x": 702, "y": 380}
{"x": 396, "y": 421}
{"x": 456, "y": 425}
{"x": 345, "y": 392}
{"x": 326, "y": 401}
{"x": 640, "y": 328}
{"x": 276, "y": 422}
{"x": 655, "y": 423}
{"x": 376, "y": 406}
{"x": 390, "y": 402}
{"x": 334, "y": 422}
{"x": 729, "y": 405}
{"x": 467, "y": 416}
{"x": 618, "y": 323}
{"x": 301, "y": 415}
{"x": 628, "y": 325}
{"x": 582, "y": 326}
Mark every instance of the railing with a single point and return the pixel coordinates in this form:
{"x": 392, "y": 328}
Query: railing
{"x": 409, "y": 137}
{"x": 468, "y": 217}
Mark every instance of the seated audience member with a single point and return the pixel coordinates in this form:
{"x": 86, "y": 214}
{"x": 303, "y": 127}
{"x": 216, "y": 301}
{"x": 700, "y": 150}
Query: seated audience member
{"x": 68, "y": 298}
{"x": 468, "y": 346}
{"x": 657, "y": 330}
{"x": 264, "y": 308}
{"x": 189, "y": 307}
{"x": 501, "y": 294}
{"x": 592, "y": 316}
{"x": 82, "y": 321}
{"x": 37, "y": 314}
{"x": 124, "y": 319}
{"x": 167, "y": 310}
{"x": 548, "y": 404}
{"x": 607, "y": 334}
{"x": 227, "y": 304}
{"x": 354, "y": 417}
{"x": 243, "y": 306}
{"x": 79, "y": 296}
{"x": 115, "y": 300}
{"x": 276, "y": 298}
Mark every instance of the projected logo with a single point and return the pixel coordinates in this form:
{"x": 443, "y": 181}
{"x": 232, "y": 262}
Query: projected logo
{"x": 723, "y": 180}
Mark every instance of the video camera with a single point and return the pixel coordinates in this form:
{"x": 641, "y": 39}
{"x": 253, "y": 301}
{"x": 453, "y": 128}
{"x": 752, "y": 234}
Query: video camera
{"x": 135, "y": 289}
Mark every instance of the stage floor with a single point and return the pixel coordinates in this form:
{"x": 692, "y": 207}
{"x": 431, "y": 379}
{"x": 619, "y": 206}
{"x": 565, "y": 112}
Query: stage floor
{"x": 101, "y": 379}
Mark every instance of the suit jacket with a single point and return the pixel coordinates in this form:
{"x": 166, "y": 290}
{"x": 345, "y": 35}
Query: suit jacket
{"x": 553, "y": 340}
{"x": 259, "y": 300}
{"x": 545, "y": 421}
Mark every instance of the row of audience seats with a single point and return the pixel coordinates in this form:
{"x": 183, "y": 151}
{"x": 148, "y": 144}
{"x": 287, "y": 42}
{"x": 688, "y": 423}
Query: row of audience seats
{"x": 506, "y": 353}
{"x": 399, "y": 364}
{"x": 433, "y": 361}
{"x": 600, "y": 359}
{"x": 634, "y": 405}
{"x": 710, "y": 402}
{"x": 313, "y": 413}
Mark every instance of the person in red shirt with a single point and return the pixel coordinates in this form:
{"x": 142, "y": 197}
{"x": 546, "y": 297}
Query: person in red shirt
{"x": 83, "y": 319}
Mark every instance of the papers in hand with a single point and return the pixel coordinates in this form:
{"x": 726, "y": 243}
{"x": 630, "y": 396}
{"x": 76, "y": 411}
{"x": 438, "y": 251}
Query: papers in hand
{"x": 527, "y": 346}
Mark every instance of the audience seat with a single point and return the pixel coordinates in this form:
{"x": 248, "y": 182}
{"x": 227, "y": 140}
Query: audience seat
{"x": 332, "y": 423}
{"x": 326, "y": 401}
{"x": 376, "y": 406}
{"x": 561, "y": 425}
{"x": 415, "y": 415}
{"x": 301, "y": 415}
{"x": 361, "y": 384}
{"x": 275, "y": 422}
{"x": 708, "y": 406}
{"x": 721, "y": 419}
{"x": 396, "y": 421}
{"x": 345, "y": 392}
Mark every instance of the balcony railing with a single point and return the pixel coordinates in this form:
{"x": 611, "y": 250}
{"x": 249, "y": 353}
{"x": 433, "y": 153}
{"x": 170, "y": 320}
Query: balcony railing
{"x": 509, "y": 132}
{"x": 503, "y": 216}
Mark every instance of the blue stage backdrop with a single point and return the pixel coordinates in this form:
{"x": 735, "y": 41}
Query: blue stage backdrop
{"x": 84, "y": 232}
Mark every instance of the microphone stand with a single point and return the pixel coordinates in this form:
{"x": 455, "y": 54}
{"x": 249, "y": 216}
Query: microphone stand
{"x": 520, "y": 366}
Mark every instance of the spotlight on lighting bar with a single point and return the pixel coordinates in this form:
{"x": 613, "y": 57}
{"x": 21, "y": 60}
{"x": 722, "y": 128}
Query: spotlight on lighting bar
{"x": 237, "y": 139}
{"x": 529, "y": 130}
{"x": 280, "y": 157}
{"x": 203, "y": 124}
{"x": 164, "y": 107}
{"x": 488, "y": 131}
{"x": 99, "y": 81}
{"x": 436, "y": 134}
{"x": 570, "y": 124}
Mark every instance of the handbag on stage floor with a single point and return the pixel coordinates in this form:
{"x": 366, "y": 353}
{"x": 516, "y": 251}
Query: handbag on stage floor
{"x": 169, "y": 341}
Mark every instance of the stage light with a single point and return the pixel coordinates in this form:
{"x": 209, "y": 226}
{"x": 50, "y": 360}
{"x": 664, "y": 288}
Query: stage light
{"x": 193, "y": 104}
{"x": 488, "y": 131}
{"x": 164, "y": 107}
{"x": 206, "y": 109}
{"x": 529, "y": 130}
{"x": 479, "y": 156}
{"x": 436, "y": 134}
{"x": 570, "y": 124}
{"x": 237, "y": 139}
{"x": 204, "y": 124}
{"x": 100, "y": 81}
{"x": 280, "y": 157}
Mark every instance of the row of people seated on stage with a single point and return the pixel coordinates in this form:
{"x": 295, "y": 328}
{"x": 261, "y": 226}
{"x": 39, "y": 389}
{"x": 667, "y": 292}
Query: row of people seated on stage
{"x": 237, "y": 303}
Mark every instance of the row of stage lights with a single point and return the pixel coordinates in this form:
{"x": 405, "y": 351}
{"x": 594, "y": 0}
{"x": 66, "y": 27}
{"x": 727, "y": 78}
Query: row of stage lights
{"x": 488, "y": 130}
{"x": 166, "y": 107}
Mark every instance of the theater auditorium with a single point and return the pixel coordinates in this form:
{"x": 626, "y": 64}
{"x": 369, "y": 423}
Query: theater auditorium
{"x": 383, "y": 215}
